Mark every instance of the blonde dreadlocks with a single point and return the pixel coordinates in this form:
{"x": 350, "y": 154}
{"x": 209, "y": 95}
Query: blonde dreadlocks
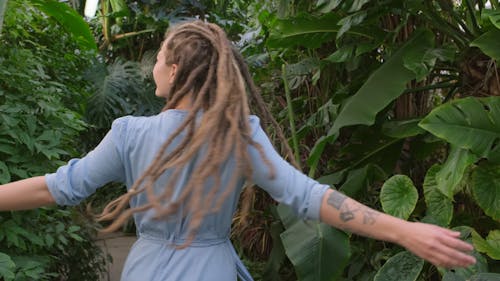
{"x": 215, "y": 77}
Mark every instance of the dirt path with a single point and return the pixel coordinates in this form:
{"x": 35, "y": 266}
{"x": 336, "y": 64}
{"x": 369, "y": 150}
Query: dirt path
{"x": 118, "y": 246}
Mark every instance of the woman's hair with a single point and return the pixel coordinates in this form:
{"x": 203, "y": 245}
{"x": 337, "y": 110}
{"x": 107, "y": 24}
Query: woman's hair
{"x": 214, "y": 75}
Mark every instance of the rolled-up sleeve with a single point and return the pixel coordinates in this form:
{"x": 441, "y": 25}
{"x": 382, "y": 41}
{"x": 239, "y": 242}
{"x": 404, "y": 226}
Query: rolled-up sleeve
{"x": 289, "y": 186}
{"x": 80, "y": 178}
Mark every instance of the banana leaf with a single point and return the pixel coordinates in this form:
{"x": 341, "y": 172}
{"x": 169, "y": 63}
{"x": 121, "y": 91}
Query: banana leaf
{"x": 489, "y": 44}
{"x": 386, "y": 84}
{"x": 382, "y": 87}
{"x": 318, "y": 251}
{"x": 311, "y": 31}
{"x": 70, "y": 20}
{"x": 469, "y": 123}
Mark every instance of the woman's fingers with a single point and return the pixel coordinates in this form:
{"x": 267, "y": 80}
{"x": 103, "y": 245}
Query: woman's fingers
{"x": 456, "y": 243}
{"x": 440, "y": 246}
{"x": 458, "y": 249}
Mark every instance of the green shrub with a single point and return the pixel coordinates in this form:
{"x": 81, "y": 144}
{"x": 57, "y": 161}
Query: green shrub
{"x": 42, "y": 96}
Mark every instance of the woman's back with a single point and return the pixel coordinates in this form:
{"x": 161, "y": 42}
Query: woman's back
{"x": 142, "y": 140}
{"x": 124, "y": 155}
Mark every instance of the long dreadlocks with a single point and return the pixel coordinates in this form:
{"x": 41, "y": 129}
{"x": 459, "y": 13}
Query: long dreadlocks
{"x": 212, "y": 73}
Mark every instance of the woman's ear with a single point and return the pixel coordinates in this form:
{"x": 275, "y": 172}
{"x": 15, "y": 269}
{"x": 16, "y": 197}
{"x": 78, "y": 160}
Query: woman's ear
{"x": 173, "y": 70}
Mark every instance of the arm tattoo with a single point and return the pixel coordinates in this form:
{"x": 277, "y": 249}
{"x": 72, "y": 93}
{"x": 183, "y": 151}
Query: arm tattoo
{"x": 336, "y": 199}
{"x": 369, "y": 217}
{"x": 347, "y": 213}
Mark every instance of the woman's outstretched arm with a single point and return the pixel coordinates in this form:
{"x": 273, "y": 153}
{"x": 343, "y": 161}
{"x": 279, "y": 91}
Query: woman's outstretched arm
{"x": 440, "y": 246}
{"x": 25, "y": 194}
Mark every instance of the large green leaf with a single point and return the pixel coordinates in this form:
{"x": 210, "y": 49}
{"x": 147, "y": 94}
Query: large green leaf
{"x": 358, "y": 180}
{"x": 403, "y": 266}
{"x": 317, "y": 251}
{"x": 309, "y": 31}
{"x": 469, "y": 123}
{"x": 490, "y": 245}
{"x": 439, "y": 207}
{"x": 304, "y": 30}
{"x": 492, "y": 16}
{"x": 70, "y": 20}
{"x": 399, "y": 196}
{"x": 368, "y": 145}
{"x": 489, "y": 44}
{"x": 486, "y": 189}
{"x": 386, "y": 84}
{"x": 448, "y": 179}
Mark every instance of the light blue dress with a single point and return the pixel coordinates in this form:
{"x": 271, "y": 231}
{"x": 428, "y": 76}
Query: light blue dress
{"x": 124, "y": 154}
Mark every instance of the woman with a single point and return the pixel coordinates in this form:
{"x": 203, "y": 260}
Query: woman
{"x": 185, "y": 168}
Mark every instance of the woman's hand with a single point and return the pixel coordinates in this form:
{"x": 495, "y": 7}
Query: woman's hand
{"x": 440, "y": 246}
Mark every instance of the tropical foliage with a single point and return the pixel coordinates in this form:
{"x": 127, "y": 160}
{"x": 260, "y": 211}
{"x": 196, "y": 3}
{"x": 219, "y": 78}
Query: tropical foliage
{"x": 401, "y": 92}
{"x": 41, "y": 95}
{"x": 395, "y": 103}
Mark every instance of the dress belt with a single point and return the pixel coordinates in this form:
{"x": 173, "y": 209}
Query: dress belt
{"x": 241, "y": 270}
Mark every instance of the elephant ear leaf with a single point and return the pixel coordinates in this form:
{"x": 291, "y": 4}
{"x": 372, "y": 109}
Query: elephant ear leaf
{"x": 490, "y": 245}
{"x": 439, "y": 207}
{"x": 469, "y": 123}
{"x": 399, "y": 196}
{"x": 454, "y": 171}
{"x": 486, "y": 189}
{"x": 403, "y": 266}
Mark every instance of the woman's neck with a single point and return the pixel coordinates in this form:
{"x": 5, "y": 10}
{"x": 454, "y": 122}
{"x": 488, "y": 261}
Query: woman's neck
{"x": 184, "y": 103}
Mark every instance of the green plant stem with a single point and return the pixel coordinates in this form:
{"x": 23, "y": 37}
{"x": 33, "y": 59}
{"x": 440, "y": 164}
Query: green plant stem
{"x": 291, "y": 116}
{"x": 459, "y": 20}
{"x": 448, "y": 8}
{"x": 106, "y": 28}
{"x": 471, "y": 10}
{"x": 444, "y": 26}
{"x": 432, "y": 87}
{"x": 480, "y": 4}
{"x": 495, "y": 4}
{"x": 3, "y": 7}
{"x": 450, "y": 94}
{"x": 131, "y": 34}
